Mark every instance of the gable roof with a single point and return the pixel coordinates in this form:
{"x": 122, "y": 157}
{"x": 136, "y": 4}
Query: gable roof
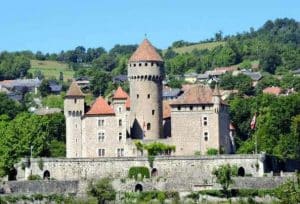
{"x": 100, "y": 107}
{"x": 74, "y": 90}
{"x": 120, "y": 94}
{"x": 145, "y": 52}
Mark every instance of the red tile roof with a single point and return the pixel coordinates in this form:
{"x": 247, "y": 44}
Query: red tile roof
{"x": 100, "y": 107}
{"x": 74, "y": 90}
{"x": 272, "y": 90}
{"x": 120, "y": 94}
{"x": 145, "y": 52}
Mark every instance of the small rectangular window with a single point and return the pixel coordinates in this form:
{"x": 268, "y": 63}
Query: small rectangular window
{"x": 203, "y": 107}
{"x": 137, "y": 96}
{"x": 101, "y": 136}
{"x": 120, "y": 136}
{"x": 101, "y": 123}
{"x": 204, "y": 121}
{"x": 205, "y": 136}
{"x": 120, "y": 152}
{"x": 148, "y": 96}
{"x": 120, "y": 122}
{"x": 101, "y": 152}
{"x": 153, "y": 111}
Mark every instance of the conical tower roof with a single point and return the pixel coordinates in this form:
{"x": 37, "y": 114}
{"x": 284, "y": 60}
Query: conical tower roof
{"x": 120, "y": 94}
{"x": 100, "y": 107}
{"x": 74, "y": 90}
{"x": 145, "y": 52}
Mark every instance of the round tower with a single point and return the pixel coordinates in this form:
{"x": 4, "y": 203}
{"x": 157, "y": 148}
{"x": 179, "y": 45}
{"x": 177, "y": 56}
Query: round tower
{"x": 73, "y": 111}
{"x": 145, "y": 75}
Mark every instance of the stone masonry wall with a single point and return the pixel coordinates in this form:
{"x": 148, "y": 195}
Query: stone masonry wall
{"x": 180, "y": 169}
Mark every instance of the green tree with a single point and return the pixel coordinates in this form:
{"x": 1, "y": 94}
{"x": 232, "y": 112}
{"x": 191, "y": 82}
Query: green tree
{"x": 224, "y": 175}
{"x": 44, "y": 88}
{"x": 100, "y": 82}
{"x": 9, "y": 107}
{"x": 102, "y": 190}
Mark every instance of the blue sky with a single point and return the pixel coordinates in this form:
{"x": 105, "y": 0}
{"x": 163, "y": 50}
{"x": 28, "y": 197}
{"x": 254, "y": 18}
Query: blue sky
{"x": 52, "y": 26}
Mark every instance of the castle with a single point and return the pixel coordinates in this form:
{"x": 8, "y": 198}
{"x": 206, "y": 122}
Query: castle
{"x": 196, "y": 121}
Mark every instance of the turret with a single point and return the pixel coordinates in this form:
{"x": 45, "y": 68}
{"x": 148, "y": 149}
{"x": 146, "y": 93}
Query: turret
{"x": 145, "y": 74}
{"x": 216, "y": 98}
{"x": 74, "y": 110}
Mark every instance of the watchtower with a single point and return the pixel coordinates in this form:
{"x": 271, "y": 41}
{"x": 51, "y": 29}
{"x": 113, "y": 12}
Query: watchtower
{"x": 74, "y": 110}
{"x": 145, "y": 74}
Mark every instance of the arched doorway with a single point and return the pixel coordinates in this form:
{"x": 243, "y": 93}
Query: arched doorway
{"x": 46, "y": 175}
{"x": 154, "y": 172}
{"x": 12, "y": 175}
{"x": 138, "y": 188}
{"x": 241, "y": 172}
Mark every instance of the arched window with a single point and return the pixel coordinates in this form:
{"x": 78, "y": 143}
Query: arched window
{"x": 148, "y": 126}
{"x": 46, "y": 175}
{"x": 138, "y": 188}
{"x": 148, "y": 96}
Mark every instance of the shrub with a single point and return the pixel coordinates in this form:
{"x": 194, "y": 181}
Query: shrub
{"x": 136, "y": 170}
{"x": 102, "y": 190}
{"x": 212, "y": 151}
{"x": 34, "y": 177}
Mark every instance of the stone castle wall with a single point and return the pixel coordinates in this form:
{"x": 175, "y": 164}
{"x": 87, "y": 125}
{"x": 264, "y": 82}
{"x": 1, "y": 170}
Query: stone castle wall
{"x": 194, "y": 169}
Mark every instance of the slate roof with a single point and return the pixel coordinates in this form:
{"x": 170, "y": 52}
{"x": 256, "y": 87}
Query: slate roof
{"x": 74, "y": 90}
{"x": 145, "y": 52}
{"x": 171, "y": 92}
{"x": 100, "y": 107}
{"x": 253, "y": 75}
{"x": 21, "y": 83}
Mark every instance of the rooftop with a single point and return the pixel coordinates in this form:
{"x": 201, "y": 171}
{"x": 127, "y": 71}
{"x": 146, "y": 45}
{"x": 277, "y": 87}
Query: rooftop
{"x": 74, "y": 90}
{"x": 120, "y": 94}
{"x": 145, "y": 52}
{"x": 272, "y": 90}
{"x": 197, "y": 94}
{"x": 100, "y": 107}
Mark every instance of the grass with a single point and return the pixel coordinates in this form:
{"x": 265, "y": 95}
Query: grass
{"x": 200, "y": 46}
{"x": 51, "y": 69}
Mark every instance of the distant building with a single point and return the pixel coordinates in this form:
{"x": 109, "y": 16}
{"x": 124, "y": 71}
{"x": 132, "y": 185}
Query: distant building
{"x": 55, "y": 88}
{"x": 191, "y": 77}
{"x": 47, "y": 111}
{"x": 274, "y": 90}
{"x": 83, "y": 82}
{"x": 296, "y": 72}
{"x": 30, "y": 85}
{"x": 120, "y": 79}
